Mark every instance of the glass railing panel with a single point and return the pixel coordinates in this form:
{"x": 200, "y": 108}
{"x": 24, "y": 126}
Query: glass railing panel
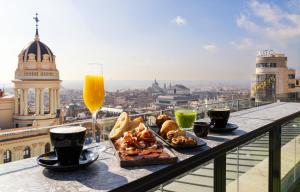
{"x": 297, "y": 151}
{"x": 252, "y": 166}
{"x": 200, "y": 179}
{"x": 244, "y": 104}
{"x": 290, "y": 156}
{"x": 232, "y": 170}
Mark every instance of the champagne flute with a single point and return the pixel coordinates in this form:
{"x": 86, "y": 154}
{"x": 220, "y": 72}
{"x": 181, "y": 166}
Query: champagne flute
{"x": 93, "y": 96}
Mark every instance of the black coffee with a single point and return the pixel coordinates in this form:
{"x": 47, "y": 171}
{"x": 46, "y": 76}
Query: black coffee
{"x": 67, "y": 130}
{"x": 219, "y": 117}
{"x": 201, "y": 129}
{"x": 68, "y": 143}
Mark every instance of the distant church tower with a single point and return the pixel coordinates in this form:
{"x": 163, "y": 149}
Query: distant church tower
{"x": 36, "y": 71}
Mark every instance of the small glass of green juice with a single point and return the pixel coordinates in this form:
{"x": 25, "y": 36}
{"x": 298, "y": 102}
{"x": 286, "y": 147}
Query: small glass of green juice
{"x": 185, "y": 117}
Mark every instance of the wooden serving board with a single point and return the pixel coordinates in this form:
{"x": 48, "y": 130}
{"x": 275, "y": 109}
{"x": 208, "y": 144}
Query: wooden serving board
{"x": 143, "y": 162}
{"x": 199, "y": 141}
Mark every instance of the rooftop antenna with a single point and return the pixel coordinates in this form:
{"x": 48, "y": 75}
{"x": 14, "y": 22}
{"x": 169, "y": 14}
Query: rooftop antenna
{"x": 36, "y": 26}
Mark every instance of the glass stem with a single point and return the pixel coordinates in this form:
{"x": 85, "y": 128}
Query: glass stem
{"x": 94, "y": 120}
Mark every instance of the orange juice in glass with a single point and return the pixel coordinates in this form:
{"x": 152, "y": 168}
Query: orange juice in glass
{"x": 93, "y": 96}
{"x": 93, "y": 92}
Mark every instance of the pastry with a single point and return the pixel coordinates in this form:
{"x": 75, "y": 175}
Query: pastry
{"x": 175, "y": 133}
{"x": 182, "y": 140}
{"x": 190, "y": 141}
{"x": 120, "y": 127}
{"x": 167, "y": 126}
{"x": 178, "y": 140}
{"x": 161, "y": 119}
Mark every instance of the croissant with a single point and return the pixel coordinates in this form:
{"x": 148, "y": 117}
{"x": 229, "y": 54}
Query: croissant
{"x": 175, "y": 133}
{"x": 167, "y": 126}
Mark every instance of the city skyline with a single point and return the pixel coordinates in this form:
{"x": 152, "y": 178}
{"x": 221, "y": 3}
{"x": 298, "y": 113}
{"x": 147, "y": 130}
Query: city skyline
{"x": 141, "y": 40}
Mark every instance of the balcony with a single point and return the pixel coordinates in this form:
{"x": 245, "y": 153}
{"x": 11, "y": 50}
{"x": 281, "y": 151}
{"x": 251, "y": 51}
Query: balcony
{"x": 262, "y": 155}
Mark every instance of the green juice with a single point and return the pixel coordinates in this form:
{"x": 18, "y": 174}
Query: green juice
{"x": 185, "y": 118}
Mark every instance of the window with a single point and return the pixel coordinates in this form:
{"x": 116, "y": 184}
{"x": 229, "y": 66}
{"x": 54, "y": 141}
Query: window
{"x": 292, "y": 95}
{"x": 266, "y": 65}
{"x": 265, "y": 87}
{"x": 182, "y": 102}
{"x": 291, "y": 85}
{"x": 26, "y": 152}
{"x": 166, "y": 102}
{"x": 47, "y": 148}
{"x": 291, "y": 76}
{"x": 7, "y": 156}
{"x": 259, "y": 65}
{"x": 297, "y": 82}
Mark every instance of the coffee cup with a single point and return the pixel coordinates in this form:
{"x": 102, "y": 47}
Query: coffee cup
{"x": 68, "y": 143}
{"x": 201, "y": 128}
{"x": 219, "y": 117}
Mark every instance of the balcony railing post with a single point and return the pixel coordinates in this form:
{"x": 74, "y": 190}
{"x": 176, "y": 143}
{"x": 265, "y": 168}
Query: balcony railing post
{"x": 275, "y": 159}
{"x": 220, "y": 173}
{"x": 250, "y": 103}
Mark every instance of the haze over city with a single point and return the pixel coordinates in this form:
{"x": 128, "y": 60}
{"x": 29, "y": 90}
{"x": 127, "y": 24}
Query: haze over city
{"x": 143, "y": 40}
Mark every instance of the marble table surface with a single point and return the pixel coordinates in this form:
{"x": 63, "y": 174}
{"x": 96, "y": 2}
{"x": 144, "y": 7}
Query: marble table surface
{"x": 105, "y": 174}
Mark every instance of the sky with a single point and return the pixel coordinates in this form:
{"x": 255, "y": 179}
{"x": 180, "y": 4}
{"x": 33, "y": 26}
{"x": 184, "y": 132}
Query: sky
{"x": 143, "y": 40}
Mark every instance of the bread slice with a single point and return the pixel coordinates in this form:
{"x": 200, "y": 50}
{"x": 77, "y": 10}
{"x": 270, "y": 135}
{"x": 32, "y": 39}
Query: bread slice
{"x": 135, "y": 123}
{"x": 120, "y": 126}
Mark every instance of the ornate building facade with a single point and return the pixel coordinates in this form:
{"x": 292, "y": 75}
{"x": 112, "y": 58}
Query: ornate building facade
{"x": 23, "y": 145}
{"x": 36, "y": 71}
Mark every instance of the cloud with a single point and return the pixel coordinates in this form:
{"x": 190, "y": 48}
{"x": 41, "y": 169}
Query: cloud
{"x": 180, "y": 21}
{"x": 245, "y": 43}
{"x": 270, "y": 21}
{"x": 294, "y": 4}
{"x": 211, "y": 47}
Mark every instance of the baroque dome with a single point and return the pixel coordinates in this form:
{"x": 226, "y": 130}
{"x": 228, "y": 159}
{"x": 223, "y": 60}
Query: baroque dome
{"x": 36, "y": 62}
{"x": 37, "y": 51}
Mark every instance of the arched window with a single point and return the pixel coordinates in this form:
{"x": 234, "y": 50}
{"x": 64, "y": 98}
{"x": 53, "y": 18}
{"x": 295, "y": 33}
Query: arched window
{"x": 7, "y": 156}
{"x": 26, "y": 152}
{"x": 47, "y": 148}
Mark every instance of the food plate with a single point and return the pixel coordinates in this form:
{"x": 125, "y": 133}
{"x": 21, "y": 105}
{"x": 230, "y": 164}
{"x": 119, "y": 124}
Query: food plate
{"x": 199, "y": 141}
{"x": 136, "y": 145}
{"x": 140, "y": 161}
